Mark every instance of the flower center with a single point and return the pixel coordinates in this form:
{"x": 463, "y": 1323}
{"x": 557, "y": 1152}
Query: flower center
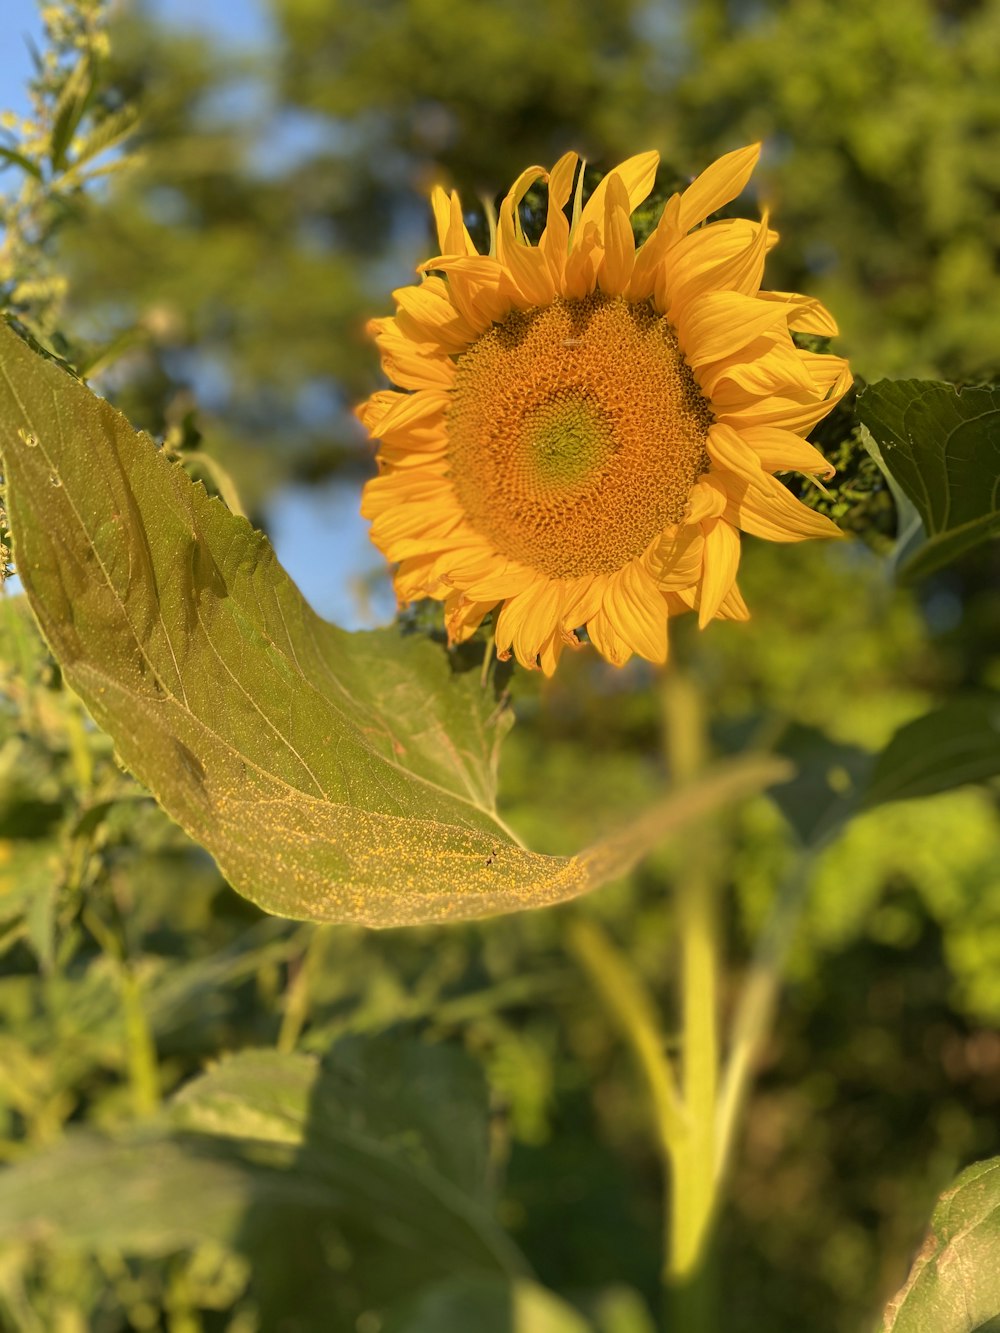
{"x": 575, "y": 434}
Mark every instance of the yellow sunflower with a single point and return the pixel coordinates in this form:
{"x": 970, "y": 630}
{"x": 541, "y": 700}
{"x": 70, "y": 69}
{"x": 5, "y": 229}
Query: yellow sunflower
{"x": 584, "y": 426}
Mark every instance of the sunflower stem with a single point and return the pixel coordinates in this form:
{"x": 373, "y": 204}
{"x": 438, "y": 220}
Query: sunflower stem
{"x": 694, "y": 1157}
{"x": 755, "y": 1005}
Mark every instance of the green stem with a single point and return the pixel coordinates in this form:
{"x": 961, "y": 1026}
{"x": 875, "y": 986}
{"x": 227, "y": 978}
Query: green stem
{"x": 140, "y": 1046}
{"x": 756, "y": 1003}
{"x": 694, "y": 1177}
{"x": 634, "y": 1010}
{"x": 694, "y": 1174}
{"x": 298, "y": 997}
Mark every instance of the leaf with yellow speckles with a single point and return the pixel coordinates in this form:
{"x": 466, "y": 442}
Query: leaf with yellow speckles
{"x": 333, "y": 776}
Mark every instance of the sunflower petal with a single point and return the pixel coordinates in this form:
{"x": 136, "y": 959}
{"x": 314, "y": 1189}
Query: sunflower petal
{"x": 637, "y": 174}
{"x": 606, "y": 639}
{"x": 805, "y": 313}
{"x": 554, "y": 242}
{"x": 720, "y": 323}
{"x": 759, "y": 503}
{"x": 722, "y": 560}
{"x": 619, "y": 241}
{"x": 717, "y": 186}
{"x": 782, "y": 451}
{"x": 463, "y": 617}
{"x": 452, "y": 233}
{"x": 635, "y": 608}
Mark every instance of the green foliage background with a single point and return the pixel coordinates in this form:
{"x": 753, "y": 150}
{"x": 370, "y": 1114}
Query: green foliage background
{"x": 218, "y": 286}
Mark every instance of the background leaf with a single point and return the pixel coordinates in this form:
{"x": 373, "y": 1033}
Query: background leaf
{"x": 488, "y": 1305}
{"x": 333, "y": 776}
{"x": 942, "y": 446}
{"x": 947, "y": 748}
{"x": 289, "y": 1160}
{"x": 954, "y": 1286}
{"x": 951, "y": 746}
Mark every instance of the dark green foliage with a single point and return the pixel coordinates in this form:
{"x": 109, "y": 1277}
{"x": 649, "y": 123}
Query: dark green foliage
{"x": 942, "y": 447}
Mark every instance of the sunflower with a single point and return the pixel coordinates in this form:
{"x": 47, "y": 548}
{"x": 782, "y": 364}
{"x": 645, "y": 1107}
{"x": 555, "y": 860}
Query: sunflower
{"x": 583, "y": 427}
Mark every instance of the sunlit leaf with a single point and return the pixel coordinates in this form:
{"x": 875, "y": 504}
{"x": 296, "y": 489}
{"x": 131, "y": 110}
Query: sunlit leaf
{"x": 942, "y": 447}
{"x": 954, "y": 1285}
{"x": 333, "y": 776}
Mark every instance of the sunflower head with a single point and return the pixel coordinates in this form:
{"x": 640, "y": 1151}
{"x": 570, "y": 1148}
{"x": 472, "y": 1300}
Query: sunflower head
{"x": 582, "y": 428}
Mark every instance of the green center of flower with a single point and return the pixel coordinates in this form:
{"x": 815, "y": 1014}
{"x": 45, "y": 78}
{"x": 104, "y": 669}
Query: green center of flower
{"x": 575, "y": 433}
{"x": 566, "y": 440}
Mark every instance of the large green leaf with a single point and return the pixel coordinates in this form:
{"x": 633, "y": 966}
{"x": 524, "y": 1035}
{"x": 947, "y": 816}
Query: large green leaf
{"x": 953, "y": 745}
{"x": 954, "y": 1285}
{"x": 948, "y": 747}
{"x": 334, "y": 776}
{"x": 427, "y": 1105}
{"x": 942, "y": 446}
{"x": 339, "y": 1189}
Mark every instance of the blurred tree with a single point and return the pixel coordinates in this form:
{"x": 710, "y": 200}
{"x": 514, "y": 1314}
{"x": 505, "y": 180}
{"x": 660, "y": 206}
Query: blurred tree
{"x": 221, "y": 288}
{"x": 282, "y": 191}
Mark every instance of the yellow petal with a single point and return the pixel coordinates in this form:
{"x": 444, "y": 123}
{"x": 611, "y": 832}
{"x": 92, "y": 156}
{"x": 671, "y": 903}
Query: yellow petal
{"x": 795, "y": 411}
{"x": 426, "y": 314}
{"x": 421, "y": 492}
{"x": 721, "y": 323}
{"x": 529, "y": 280}
{"x": 634, "y": 606}
{"x": 475, "y": 284}
{"x": 722, "y": 559}
{"x": 551, "y": 651}
{"x": 619, "y": 241}
{"x": 674, "y": 559}
{"x": 528, "y": 277}
{"x": 805, "y": 313}
{"x": 452, "y": 233}
{"x": 767, "y": 366}
{"x": 651, "y": 253}
{"x": 500, "y": 579}
{"x": 705, "y": 501}
{"x": 415, "y": 420}
{"x": 717, "y": 186}
{"x": 733, "y": 606}
{"x": 583, "y": 599}
{"x": 637, "y": 174}
{"x": 413, "y": 580}
{"x": 759, "y": 504}
{"x": 606, "y": 639}
{"x": 582, "y": 264}
{"x": 463, "y": 617}
{"x": 703, "y": 262}
{"x": 781, "y": 451}
{"x": 529, "y": 619}
{"x": 554, "y": 242}
{"x": 410, "y": 368}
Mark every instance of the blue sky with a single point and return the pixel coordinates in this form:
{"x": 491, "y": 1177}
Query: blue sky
{"x": 318, "y": 534}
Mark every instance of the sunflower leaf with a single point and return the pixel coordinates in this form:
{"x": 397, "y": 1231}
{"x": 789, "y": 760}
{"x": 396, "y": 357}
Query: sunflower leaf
{"x": 954, "y": 1285}
{"x": 942, "y": 447}
{"x": 285, "y": 1159}
{"x": 948, "y": 747}
{"x": 333, "y": 776}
